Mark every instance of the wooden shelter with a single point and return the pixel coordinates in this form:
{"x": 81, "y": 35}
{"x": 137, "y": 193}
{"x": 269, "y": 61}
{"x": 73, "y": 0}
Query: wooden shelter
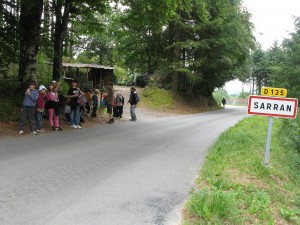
{"x": 95, "y": 76}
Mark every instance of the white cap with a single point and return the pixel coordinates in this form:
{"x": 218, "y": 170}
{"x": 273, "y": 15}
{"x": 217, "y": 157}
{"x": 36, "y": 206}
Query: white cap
{"x": 54, "y": 81}
{"x": 42, "y": 87}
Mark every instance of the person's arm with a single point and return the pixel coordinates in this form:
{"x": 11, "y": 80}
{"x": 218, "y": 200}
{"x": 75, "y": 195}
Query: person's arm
{"x": 71, "y": 94}
{"x": 34, "y": 95}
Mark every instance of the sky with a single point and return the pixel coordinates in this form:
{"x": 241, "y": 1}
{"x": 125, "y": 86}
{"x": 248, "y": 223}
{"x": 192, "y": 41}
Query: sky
{"x": 273, "y": 20}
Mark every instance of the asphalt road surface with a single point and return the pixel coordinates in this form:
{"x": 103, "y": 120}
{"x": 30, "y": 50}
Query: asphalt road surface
{"x": 133, "y": 173}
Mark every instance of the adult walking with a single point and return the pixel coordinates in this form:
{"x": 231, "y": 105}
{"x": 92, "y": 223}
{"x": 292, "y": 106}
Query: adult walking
{"x": 110, "y": 102}
{"x": 224, "y": 102}
{"x": 133, "y": 100}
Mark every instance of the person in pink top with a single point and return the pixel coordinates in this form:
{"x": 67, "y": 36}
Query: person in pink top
{"x": 40, "y": 107}
{"x": 53, "y": 108}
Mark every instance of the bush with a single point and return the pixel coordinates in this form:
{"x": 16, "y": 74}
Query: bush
{"x": 290, "y": 133}
{"x": 10, "y": 110}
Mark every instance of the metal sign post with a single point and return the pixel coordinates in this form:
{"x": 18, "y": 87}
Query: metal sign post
{"x": 268, "y": 142}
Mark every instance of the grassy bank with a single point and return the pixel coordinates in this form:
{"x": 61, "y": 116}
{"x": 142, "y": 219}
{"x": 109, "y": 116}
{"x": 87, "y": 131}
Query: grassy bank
{"x": 234, "y": 187}
{"x": 174, "y": 102}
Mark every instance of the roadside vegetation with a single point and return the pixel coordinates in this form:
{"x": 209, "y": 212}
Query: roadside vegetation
{"x": 234, "y": 187}
{"x": 176, "y": 102}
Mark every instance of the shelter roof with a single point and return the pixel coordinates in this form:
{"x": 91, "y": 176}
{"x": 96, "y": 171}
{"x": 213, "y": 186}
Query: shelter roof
{"x": 82, "y": 65}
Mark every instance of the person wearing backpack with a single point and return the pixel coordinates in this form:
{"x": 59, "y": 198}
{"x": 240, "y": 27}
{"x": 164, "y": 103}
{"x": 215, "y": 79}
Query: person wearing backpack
{"x": 73, "y": 95}
{"x": 133, "y": 100}
{"x": 119, "y": 104}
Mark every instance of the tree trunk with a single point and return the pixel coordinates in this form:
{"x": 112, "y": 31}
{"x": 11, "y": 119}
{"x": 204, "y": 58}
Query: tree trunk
{"x": 61, "y": 25}
{"x": 177, "y": 59}
{"x": 29, "y": 28}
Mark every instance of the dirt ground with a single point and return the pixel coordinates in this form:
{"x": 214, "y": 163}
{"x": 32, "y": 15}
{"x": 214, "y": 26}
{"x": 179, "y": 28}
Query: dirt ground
{"x": 10, "y": 129}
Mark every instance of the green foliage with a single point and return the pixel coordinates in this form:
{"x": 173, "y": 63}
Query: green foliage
{"x": 44, "y": 70}
{"x": 235, "y": 166}
{"x": 204, "y": 43}
{"x": 121, "y": 75}
{"x": 279, "y": 66}
{"x": 290, "y": 133}
{"x": 244, "y": 94}
{"x": 291, "y": 215}
{"x": 10, "y": 109}
{"x": 219, "y": 94}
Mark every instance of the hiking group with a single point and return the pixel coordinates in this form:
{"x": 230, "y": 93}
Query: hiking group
{"x": 50, "y": 103}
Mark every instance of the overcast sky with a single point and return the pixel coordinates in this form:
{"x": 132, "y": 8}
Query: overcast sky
{"x": 273, "y": 20}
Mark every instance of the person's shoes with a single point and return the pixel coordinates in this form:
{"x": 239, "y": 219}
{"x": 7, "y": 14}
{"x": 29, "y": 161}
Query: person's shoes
{"x": 59, "y": 129}
{"x": 21, "y": 132}
{"x": 53, "y": 128}
{"x": 79, "y": 127}
{"x": 33, "y": 133}
{"x": 133, "y": 120}
{"x": 40, "y": 131}
{"x": 110, "y": 121}
{"x": 120, "y": 116}
{"x": 74, "y": 126}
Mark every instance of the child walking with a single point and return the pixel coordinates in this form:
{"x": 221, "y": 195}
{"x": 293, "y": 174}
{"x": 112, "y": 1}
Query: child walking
{"x": 29, "y": 105}
{"x": 53, "y": 108}
{"x": 41, "y": 108}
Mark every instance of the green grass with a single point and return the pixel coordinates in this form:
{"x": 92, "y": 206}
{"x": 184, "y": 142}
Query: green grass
{"x": 156, "y": 98}
{"x": 234, "y": 187}
{"x": 176, "y": 102}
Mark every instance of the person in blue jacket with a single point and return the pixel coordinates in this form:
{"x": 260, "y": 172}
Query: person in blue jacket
{"x": 29, "y": 106}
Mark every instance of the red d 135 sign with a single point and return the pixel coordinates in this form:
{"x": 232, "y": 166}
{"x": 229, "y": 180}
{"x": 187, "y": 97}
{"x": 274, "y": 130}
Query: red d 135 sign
{"x": 272, "y": 106}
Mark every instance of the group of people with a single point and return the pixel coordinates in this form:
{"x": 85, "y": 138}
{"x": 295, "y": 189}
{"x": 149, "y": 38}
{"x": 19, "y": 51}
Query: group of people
{"x": 36, "y": 102}
{"x": 46, "y": 100}
{"x": 115, "y": 103}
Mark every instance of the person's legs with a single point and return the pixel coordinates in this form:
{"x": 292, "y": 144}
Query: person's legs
{"x": 39, "y": 118}
{"x": 31, "y": 111}
{"x": 56, "y": 120}
{"x": 51, "y": 116}
{"x": 95, "y": 107}
{"x": 72, "y": 117}
{"x": 23, "y": 118}
{"x": 88, "y": 108}
{"x": 120, "y": 111}
{"x": 110, "y": 111}
{"x": 132, "y": 112}
{"x": 76, "y": 115}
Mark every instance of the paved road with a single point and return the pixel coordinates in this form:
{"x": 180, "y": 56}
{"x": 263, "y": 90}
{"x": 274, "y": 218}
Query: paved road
{"x": 122, "y": 174}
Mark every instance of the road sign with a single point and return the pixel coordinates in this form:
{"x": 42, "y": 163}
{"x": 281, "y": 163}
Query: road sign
{"x": 272, "y": 106}
{"x": 275, "y": 92}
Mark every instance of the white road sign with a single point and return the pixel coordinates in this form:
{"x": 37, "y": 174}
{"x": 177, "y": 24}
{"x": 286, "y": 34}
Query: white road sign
{"x": 272, "y": 106}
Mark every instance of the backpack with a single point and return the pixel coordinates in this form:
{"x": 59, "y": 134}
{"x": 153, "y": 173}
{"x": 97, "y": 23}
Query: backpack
{"x": 122, "y": 99}
{"x": 81, "y": 100}
{"x": 137, "y": 98}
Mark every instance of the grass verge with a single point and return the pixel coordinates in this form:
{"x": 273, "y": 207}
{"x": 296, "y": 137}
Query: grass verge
{"x": 175, "y": 102}
{"x": 234, "y": 187}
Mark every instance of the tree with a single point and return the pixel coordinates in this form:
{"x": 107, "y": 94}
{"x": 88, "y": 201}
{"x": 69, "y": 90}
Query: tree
{"x": 29, "y": 27}
{"x": 62, "y": 10}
